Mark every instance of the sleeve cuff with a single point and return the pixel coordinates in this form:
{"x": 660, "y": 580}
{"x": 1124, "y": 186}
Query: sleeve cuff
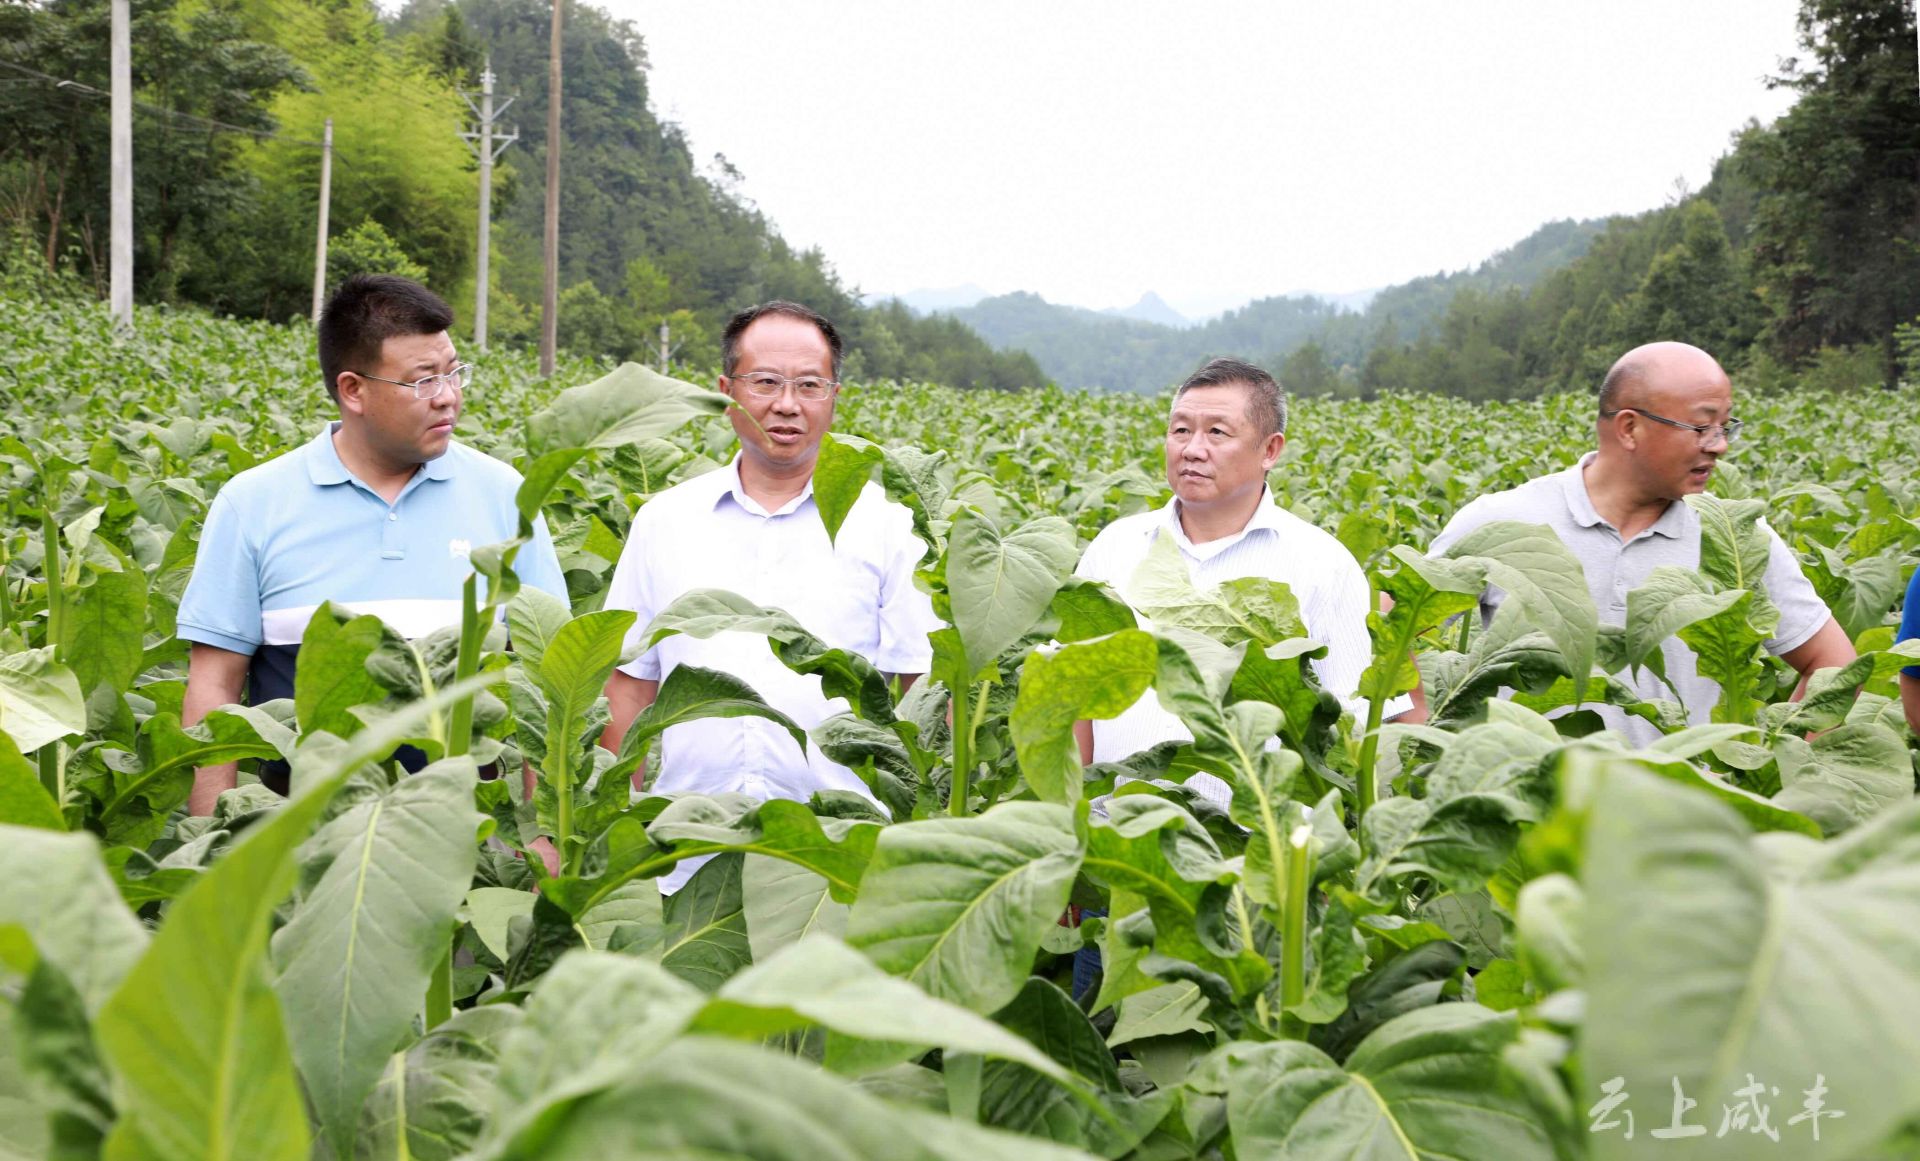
{"x": 1780, "y": 645}
{"x": 201, "y": 635}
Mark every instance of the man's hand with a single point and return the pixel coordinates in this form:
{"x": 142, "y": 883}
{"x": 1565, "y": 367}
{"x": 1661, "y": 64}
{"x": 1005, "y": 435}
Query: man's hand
{"x": 543, "y": 847}
{"x": 215, "y": 677}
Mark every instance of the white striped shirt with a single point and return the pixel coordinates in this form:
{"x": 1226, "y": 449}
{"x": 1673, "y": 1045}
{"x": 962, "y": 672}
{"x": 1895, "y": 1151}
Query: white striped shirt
{"x": 1332, "y": 591}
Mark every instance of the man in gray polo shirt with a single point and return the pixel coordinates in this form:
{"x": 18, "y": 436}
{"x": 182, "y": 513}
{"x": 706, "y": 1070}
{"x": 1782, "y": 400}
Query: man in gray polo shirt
{"x": 1665, "y": 418}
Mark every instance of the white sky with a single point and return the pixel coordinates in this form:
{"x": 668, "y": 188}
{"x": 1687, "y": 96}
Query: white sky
{"x": 1213, "y": 152}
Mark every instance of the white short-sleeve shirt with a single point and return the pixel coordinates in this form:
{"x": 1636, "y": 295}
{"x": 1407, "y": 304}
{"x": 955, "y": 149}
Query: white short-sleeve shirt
{"x": 855, "y": 593}
{"x": 1328, "y": 583}
{"x": 1615, "y": 568}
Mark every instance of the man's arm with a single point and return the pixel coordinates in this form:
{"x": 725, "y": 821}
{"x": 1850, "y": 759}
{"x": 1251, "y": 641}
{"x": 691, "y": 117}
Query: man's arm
{"x": 1828, "y": 648}
{"x": 1083, "y": 735}
{"x": 215, "y": 677}
{"x": 1910, "y": 701}
{"x": 627, "y": 697}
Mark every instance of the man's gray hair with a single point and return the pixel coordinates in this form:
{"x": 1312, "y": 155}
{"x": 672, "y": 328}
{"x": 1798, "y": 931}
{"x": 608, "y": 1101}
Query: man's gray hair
{"x": 1266, "y": 403}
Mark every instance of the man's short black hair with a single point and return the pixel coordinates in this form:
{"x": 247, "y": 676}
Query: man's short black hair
{"x": 1266, "y": 403}
{"x": 738, "y": 324}
{"x": 366, "y": 311}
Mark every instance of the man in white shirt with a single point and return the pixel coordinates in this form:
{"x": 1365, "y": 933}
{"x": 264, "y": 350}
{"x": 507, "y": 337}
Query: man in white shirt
{"x": 1665, "y": 418}
{"x": 754, "y": 529}
{"x": 1226, "y": 431}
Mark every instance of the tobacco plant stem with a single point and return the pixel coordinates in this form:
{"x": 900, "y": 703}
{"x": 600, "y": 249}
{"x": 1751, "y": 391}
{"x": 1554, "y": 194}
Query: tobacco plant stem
{"x": 962, "y": 753}
{"x": 460, "y": 732}
{"x": 1293, "y": 940}
{"x": 56, "y": 592}
{"x": 1369, "y": 755}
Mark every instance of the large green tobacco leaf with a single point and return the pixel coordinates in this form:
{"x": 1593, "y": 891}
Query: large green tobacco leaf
{"x": 1671, "y": 599}
{"x": 333, "y": 675}
{"x": 145, "y": 787}
{"x": 959, "y": 905}
{"x": 785, "y": 903}
{"x": 106, "y": 628}
{"x": 873, "y": 1020}
{"x": 40, "y": 699}
{"x": 627, "y": 404}
{"x": 24, "y": 801}
{"x": 24, "y": 1131}
{"x": 1507, "y": 655}
{"x": 704, "y": 612}
{"x": 61, "y": 898}
{"x": 1247, "y": 609}
{"x": 1438, "y": 1082}
{"x": 1715, "y": 956}
{"x": 1724, "y": 647}
{"x": 1425, "y": 592}
{"x": 533, "y": 617}
{"x": 690, "y": 693}
{"x": 430, "y": 1104}
{"x": 590, "y": 1020}
{"x": 576, "y": 662}
{"x": 194, "y": 1033}
{"x": 1079, "y": 682}
{"x": 1154, "y": 850}
{"x": 689, "y": 1101}
{"x": 1543, "y": 579}
{"x": 1089, "y": 609}
{"x": 704, "y": 941}
{"x": 1845, "y": 776}
{"x": 1000, "y": 584}
{"x": 841, "y": 470}
{"x": 355, "y": 958}
{"x": 1733, "y": 546}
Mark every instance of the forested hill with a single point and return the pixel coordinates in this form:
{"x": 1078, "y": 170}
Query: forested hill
{"x": 231, "y": 100}
{"x": 1084, "y": 348}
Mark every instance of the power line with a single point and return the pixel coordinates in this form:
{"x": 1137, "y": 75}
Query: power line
{"x": 82, "y": 89}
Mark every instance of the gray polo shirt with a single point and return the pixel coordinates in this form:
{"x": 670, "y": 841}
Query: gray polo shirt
{"x": 1615, "y": 568}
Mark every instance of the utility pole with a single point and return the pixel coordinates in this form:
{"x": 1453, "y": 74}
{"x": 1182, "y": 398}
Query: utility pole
{"x": 320, "y": 244}
{"x": 120, "y": 141}
{"x": 482, "y": 142}
{"x": 550, "y": 298}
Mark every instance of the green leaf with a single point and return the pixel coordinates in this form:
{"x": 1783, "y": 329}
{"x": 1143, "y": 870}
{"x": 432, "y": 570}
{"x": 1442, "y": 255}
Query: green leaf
{"x": 492, "y": 909}
{"x": 874, "y": 1019}
{"x": 1543, "y": 578}
{"x": 1671, "y": 599}
{"x": 40, "y": 699}
{"x": 1001, "y": 584}
{"x": 194, "y": 1033}
{"x": 355, "y": 958}
{"x": 1167, "y": 1010}
{"x": 1091, "y": 679}
{"x": 1089, "y": 609}
{"x": 63, "y": 900}
{"x": 690, "y": 693}
{"x": 1733, "y": 547}
{"x": 704, "y": 612}
{"x": 533, "y": 617}
{"x": 706, "y": 931}
{"x": 106, "y": 624}
{"x": 1437, "y": 1082}
{"x": 1425, "y": 593}
{"x": 841, "y": 471}
{"x": 1845, "y": 776}
{"x": 1712, "y": 954}
{"x": 431, "y": 1100}
{"x": 1014, "y": 1097}
{"x": 149, "y": 785}
{"x": 626, "y": 405}
{"x": 23, "y": 800}
{"x": 784, "y": 903}
{"x": 959, "y": 905}
{"x": 835, "y": 848}
{"x": 1548, "y": 919}
{"x": 1724, "y": 646}
{"x": 578, "y": 659}
{"x": 685, "y": 1102}
{"x": 333, "y": 675}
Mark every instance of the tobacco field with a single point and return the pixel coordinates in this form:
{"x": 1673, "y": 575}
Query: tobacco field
{"x": 1501, "y": 935}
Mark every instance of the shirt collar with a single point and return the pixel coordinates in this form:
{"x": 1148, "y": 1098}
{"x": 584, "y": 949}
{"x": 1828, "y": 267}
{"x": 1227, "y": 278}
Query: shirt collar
{"x": 1266, "y": 515}
{"x": 324, "y": 467}
{"x": 1672, "y": 523}
{"x": 737, "y": 491}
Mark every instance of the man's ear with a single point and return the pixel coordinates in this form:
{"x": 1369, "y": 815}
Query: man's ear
{"x": 1270, "y": 454}
{"x": 350, "y": 390}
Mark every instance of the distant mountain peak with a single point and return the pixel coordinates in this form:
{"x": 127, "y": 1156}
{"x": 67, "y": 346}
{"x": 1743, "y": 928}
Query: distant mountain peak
{"x": 1151, "y": 308}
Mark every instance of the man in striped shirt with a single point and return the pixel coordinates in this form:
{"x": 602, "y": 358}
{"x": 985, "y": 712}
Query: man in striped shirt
{"x": 1225, "y": 433}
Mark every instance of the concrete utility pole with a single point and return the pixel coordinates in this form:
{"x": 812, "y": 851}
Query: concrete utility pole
{"x": 550, "y": 297}
{"x": 482, "y": 142}
{"x": 326, "y": 197}
{"x": 120, "y": 140}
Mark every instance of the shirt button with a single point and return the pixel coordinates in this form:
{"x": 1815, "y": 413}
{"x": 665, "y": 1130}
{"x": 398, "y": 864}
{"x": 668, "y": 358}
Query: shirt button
{"x": 393, "y": 515}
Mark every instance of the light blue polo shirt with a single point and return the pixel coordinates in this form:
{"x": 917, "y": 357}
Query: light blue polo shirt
{"x": 285, "y": 536}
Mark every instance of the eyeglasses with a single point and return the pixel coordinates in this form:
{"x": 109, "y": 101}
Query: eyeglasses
{"x": 766, "y": 385}
{"x": 430, "y": 387}
{"x": 1708, "y": 432}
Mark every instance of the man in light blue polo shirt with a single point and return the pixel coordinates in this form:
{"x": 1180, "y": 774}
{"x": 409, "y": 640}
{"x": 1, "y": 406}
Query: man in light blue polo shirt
{"x": 378, "y": 513}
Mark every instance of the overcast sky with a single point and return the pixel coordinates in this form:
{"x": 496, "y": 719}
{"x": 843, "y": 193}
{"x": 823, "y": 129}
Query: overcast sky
{"x": 1213, "y": 152}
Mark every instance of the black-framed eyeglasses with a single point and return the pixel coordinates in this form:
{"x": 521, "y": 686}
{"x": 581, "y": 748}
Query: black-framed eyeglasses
{"x": 1707, "y": 432}
{"x": 429, "y": 387}
{"x": 766, "y": 385}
